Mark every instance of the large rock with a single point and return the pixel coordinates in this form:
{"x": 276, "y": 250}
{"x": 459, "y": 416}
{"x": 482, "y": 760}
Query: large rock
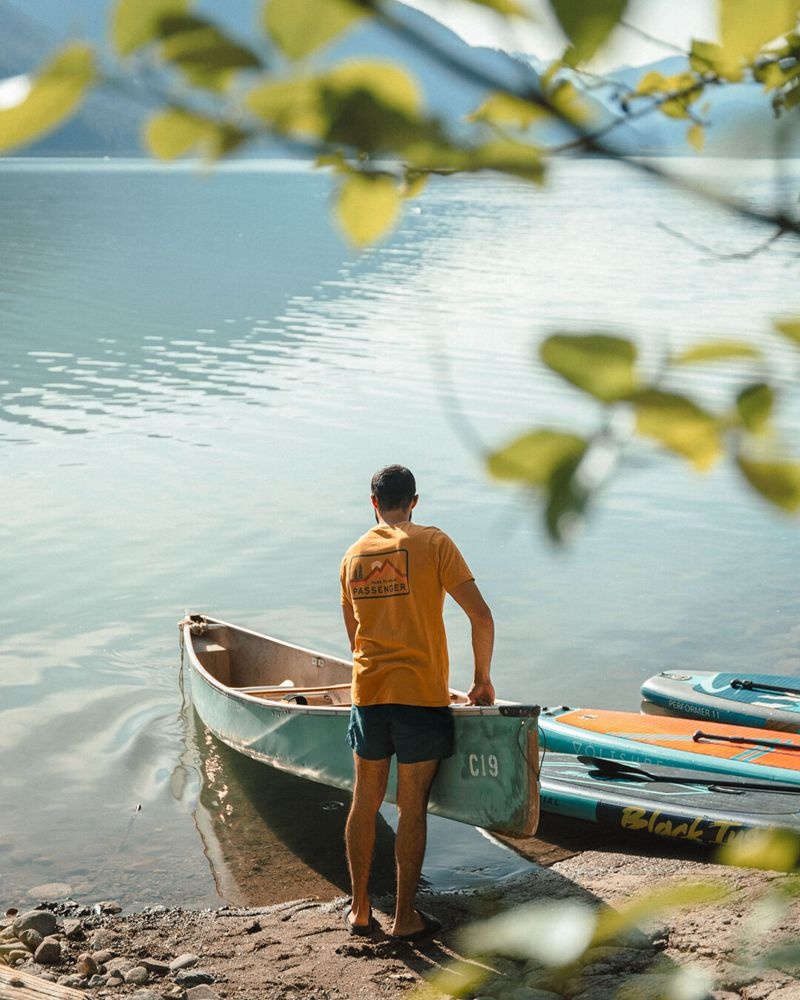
{"x": 42, "y": 921}
{"x": 137, "y": 976}
{"x": 183, "y": 962}
{"x": 103, "y": 938}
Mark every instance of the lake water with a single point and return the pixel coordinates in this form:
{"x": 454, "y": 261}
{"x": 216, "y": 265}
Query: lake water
{"x": 197, "y": 380}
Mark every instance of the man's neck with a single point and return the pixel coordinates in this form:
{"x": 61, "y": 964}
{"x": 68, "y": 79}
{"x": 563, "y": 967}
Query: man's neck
{"x": 389, "y": 518}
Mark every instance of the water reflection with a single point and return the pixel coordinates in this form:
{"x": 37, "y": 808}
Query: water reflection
{"x": 271, "y": 837}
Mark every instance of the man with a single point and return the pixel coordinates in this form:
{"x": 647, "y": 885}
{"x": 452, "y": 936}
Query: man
{"x": 394, "y": 580}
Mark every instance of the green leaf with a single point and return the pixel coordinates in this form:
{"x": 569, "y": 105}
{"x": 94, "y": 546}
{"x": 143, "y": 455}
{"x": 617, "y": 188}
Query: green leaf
{"x": 49, "y": 98}
{"x": 697, "y": 137}
{"x": 588, "y": 25}
{"x": 506, "y": 7}
{"x": 716, "y": 350}
{"x": 135, "y": 23}
{"x": 613, "y": 923}
{"x": 367, "y": 207}
{"x": 789, "y": 327}
{"x": 176, "y": 132}
{"x": 552, "y": 933}
{"x": 300, "y": 27}
{"x": 754, "y": 406}
{"x": 205, "y": 55}
{"x": 290, "y": 107}
{"x": 679, "y": 425}
{"x": 768, "y": 850}
{"x": 707, "y": 57}
{"x": 506, "y": 109}
{"x": 745, "y": 26}
{"x": 777, "y": 481}
{"x": 533, "y": 458}
{"x": 599, "y": 364}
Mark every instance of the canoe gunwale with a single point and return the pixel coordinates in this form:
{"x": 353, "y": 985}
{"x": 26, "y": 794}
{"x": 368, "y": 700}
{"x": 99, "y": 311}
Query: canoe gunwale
{"x": 236, "y": 694}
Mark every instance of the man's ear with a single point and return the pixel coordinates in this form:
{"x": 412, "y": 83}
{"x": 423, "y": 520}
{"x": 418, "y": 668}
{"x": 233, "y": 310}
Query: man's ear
{"x": 414, "y": 501}
{"x": 374, "y": 500}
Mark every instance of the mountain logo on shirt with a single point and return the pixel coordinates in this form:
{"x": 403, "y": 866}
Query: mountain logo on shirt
{"x": 382, "y": 574}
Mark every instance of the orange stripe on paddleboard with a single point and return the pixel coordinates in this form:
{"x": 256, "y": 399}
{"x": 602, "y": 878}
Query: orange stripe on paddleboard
{"x": 676, "y": 734}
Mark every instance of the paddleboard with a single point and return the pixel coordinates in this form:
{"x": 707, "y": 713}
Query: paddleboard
{"x": 703, "y": 807}
{"x": 758, "y": 754}
{"x": 766, "y": 700}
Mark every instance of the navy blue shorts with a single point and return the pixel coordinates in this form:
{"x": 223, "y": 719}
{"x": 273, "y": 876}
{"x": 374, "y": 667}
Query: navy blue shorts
{"x": 412, "y": 732}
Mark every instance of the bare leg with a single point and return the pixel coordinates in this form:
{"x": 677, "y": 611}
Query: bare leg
{"x": 413, "y": 787}
{"x": 370, "y": 788}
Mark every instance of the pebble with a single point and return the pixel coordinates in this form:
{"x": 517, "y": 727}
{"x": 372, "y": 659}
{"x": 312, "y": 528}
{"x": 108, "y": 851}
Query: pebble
{"x": 156, "y": 968}
{"x": 48, "y": 952}
{"x": 193, "y": 977}
{"x": 73, "y": 929}
{"x": 30, "y": 938}
{"x": 41, "y": 921}
{"x": 137, "y": 976}
{"x": 202, "y": 992}
{"x": 103, "y": 938}
{"x": 86, "y": 966}
{"x": 104, "y": 956}
{"x": 185, "y": 961}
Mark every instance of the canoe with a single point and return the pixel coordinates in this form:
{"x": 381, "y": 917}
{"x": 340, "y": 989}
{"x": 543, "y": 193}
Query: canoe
{"x": 759, "y": 754}
{"x": 288, "y": 706}
{"x": 652, "y": 800}
{"x": 766, "y": 700}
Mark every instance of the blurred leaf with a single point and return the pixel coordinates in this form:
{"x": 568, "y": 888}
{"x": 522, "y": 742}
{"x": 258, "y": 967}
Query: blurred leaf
{"x": 392, "y": 85}
{"x": 697, "y": 137}
{"x": 504, "y": 7}
{"x": 716, "y": 350}
{"x": 776, "y": 481}
{"x": 458, "y": 979}
{"x": 290, "y": 107}
{"x": 789, "y": 327}
{"x": 679, "y": 425}
{"x": 552, "y": 933}
{"x": 567, "y": 498}
{"x": 517, "y": 159}
{"x": 682, "y": 982}
{"x": 588, "y": 25}
{"x": 176, "y": 132}
{"x": 706, "y": 57}
{"x": 745, "y": 26}
{"x": 534, "y": 457}
{"x": 660, "y": 899}
{"x": 135, "y": 23}
{"x": 570, "y": 103}
{"x": 769, "y": 850}
{"x": 785, "y": 957}
{"x": 49, "y": 98}
{"x": 506, "y": 109}
{"x": 599, "y": 364}
{"x": 415, "y": 183}
{"x": 300, "y": 27}
{"x": 367, "y": 207}
{"x": 206, "y": 55}
{"x": 754, "y": 406}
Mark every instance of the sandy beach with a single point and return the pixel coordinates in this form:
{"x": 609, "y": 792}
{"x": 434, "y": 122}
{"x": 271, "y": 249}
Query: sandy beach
{"x": 300, "y": 948}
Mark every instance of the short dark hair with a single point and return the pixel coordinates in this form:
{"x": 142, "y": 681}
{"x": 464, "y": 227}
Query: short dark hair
{"x": 393, "y": 487}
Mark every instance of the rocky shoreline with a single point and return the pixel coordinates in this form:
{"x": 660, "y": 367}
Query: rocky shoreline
{"x": 301, "y": 948}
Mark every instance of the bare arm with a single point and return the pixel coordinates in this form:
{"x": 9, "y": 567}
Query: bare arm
{"x": 477, "y": 610}
{"x": 350, "y": 624}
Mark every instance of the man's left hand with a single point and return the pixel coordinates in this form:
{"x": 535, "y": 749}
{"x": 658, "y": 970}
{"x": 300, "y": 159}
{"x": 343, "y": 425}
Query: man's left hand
{"x": 481, "y": 694}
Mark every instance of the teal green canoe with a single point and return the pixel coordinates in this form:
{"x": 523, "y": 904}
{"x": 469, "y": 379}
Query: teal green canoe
{"x": 289, "y": 707}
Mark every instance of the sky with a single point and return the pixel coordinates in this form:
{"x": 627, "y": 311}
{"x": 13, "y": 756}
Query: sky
{"x": 675, "y": 22}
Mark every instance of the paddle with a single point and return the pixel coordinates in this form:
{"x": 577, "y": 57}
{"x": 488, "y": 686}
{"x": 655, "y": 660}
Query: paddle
{"x": 745, "y": 740}
{"x": 739, "y": 684}
{"x": 624, "y": 769}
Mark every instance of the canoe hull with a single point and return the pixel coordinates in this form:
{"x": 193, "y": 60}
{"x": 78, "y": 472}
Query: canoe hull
{"x": 490, "y": 781}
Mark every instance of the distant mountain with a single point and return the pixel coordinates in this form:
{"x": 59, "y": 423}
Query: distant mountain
{"x": 110, "y": 125}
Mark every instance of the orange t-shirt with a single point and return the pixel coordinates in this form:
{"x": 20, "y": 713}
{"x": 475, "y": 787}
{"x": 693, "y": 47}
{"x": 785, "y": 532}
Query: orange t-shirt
{"x": 395, "y": 578}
